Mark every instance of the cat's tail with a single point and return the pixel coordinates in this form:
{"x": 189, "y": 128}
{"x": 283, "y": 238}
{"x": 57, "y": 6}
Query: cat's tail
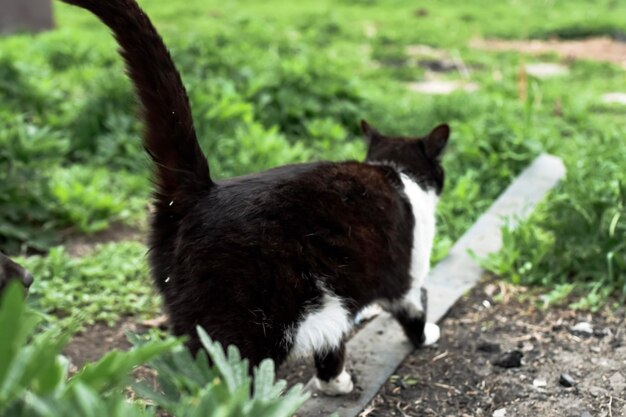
{"x": 181, "y": 168}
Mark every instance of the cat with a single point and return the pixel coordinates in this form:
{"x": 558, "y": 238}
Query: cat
{"x": 279, "y": 262}
{"x": 10, "y": 270}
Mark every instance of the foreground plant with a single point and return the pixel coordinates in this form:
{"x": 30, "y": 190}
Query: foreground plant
{"x": 191, "y": 387}
{"x": 35, "y": 382}
{"x": 34, "y": 379}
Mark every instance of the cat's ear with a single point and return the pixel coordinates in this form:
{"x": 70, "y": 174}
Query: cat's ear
{"x": 369, "y": 132}
{"x": 436, "y": 141}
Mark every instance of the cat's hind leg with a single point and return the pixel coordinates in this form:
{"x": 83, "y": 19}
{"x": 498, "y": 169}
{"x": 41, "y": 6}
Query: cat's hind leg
{"x": 410, "y": 311}
{"x": 332, "y": 377}
{"x": 321, "y": 332}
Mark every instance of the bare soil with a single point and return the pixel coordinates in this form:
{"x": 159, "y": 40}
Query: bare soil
{"x": 457, "y": 377}
{"x": 91, "y": 343}
{"x": 602, "y": 49}
{"x": 83, "y": 245}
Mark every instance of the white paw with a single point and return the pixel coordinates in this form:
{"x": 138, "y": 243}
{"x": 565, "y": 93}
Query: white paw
{"x": 431, "y": 334}
{"x": 340, "y": 385}
{"x": 369, "y": 312}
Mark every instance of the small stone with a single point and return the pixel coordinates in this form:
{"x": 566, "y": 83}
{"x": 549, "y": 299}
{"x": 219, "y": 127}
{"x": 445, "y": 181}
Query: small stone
{"x": 488, "y": 347}
{"x": 566, "y": 380}
{"x": 511, "y": 359}
{"x": 557, "y": 327}
{"x": 540, "y": 383}
{"x": 582, "y": 329}
{"x": 501, "y": 412}
{"x": 618, "y": 382}
{"x": 400, "y": 383}
{"x": 601, "y": 333}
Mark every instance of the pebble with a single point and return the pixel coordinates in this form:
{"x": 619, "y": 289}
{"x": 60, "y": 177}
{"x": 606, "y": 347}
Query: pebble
{"x": 400, "y": 383}
{"x": 501, "y": 412}
{"x": 601, "y": 333}
{"x": 618, "y": 382}
{"x": 597, "y": 391}
{"x": 540, "y": 383}
{"x": 511, "y": 359}
{"x": 566, "y": 380}
{"x": 488, "y": 347}
{"x": 583, "y": 329}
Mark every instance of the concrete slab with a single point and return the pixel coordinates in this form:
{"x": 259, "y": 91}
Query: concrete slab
{"x": 441, "y": 87}
{"x": 614, "y": 98}
{"x": 375, "y": 352}
{"x": 546, "y": 70}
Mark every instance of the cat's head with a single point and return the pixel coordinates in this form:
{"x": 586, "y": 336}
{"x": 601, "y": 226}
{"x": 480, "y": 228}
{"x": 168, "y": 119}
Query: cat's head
{"x": 10, "y": 270}
{"x": 417, "y": 157}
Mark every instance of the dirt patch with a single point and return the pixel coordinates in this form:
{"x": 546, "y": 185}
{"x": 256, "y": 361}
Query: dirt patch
{"x": 458, "y": 377}
{"x": 82, "y": 245}
{"x": 599, "y": 49}
{"x": 94, "y": 341}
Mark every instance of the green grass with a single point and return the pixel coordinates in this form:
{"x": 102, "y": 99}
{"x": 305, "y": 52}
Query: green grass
{"x": 111, "y": 282}
{"x": 273, "y": 83}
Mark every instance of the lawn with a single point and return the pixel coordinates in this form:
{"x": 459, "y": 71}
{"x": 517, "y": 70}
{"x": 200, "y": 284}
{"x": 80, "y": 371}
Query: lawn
{"x": 275, "y": 82}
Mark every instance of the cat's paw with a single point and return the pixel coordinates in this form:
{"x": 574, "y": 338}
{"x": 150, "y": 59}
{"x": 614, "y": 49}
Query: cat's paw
{"x": 339, "y": 385}
{"x": 368, "y": 313}
{"x": 431, "y": 334}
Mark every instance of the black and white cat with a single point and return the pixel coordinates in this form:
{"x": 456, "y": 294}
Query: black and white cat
{"x": 278, "y": 263}
{"x": 11, "y": 270}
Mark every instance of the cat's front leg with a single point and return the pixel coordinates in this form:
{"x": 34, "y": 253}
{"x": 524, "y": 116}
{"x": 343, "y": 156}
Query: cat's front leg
{"x": 410, "y": 312}
{"x": 332, "y": 377}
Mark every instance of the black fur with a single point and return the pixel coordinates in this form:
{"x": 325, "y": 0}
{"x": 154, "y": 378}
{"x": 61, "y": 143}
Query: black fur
{"x": 330, "y": 364}
{"x": 413, "y": 324}
{"x": 10, "y": 270}
{"x": 246, "y": 258}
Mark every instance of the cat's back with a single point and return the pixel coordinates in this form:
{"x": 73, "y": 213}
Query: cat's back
{"x": 301, "y": 193}
{"x": 326, "y": 219}
{"x": 318, "y": 212}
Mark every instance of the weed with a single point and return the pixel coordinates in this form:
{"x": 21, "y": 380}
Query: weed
{"x": 111, "y": 282}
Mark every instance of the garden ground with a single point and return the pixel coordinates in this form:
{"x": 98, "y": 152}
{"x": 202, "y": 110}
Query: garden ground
{"x": 71, "y": 165}
{"x": 457, "y": 377}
